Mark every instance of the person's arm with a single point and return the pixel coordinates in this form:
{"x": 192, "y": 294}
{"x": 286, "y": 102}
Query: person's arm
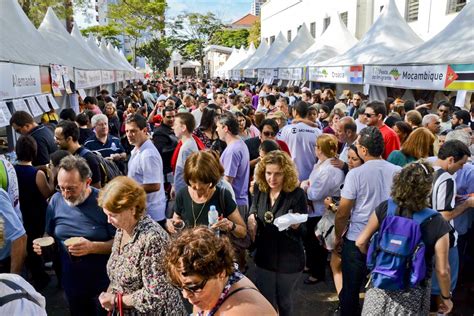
{"x": 86, "y": 247}
{"x": 458, "y": 210}
{"x": 227, "y": 224}
{"x": 229, "y": 179}
{"x": 254, "y": 162}
{"x": 151, "y": 187}
{"x": 364, "y": 237}
{"x": 17, "y": 254}
{"x": 342, "y": 216}
{"x": 45, "y": 186}
{"x": 443, "y": 272}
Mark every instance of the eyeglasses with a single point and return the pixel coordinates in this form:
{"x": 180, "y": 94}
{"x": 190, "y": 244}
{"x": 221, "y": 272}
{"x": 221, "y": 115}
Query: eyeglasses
{"x": 194, "y": 288}
{"x": 169, "y": 117}
{"x": 369, "y": 115}
{"x": 268, "y": 134}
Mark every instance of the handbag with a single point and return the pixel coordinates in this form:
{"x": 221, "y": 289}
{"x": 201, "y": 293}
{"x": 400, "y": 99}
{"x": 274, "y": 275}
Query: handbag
{"x": 118, "y": 308}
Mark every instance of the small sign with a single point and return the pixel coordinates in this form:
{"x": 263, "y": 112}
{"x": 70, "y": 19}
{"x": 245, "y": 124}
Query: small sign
{"x": 53, "y": 102}
{"x": 20, "y": 105}
{"x": 34, "y": 107}
{"x": 5, "y": 114}
{"x": 43, "y": 102}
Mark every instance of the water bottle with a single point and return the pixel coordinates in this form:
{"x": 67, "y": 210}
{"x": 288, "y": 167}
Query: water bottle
{"x": 213, "y": 217}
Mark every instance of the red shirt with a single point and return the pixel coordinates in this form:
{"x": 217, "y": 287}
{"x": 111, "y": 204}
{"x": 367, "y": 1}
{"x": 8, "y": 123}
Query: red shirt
{"x": 283, "y": 146}
{"x": 390, "y": 139}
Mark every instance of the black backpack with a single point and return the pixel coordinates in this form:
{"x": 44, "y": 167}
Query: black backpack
{"x": 108, "y": 168}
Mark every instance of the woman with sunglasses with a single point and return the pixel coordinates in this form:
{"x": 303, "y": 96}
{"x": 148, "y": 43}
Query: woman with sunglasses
{"x": 201, "y": 265}
{"x": 137, "y": 277}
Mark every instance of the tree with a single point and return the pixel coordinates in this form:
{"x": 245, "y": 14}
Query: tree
{"x": 157, "y": 53}
{"x": 229, "y": 38}
{"x": 254, "y": 34}
{"x": 192, "y": 32}
{"x": 137, "y": 18}
{"x": 108, "y": 32}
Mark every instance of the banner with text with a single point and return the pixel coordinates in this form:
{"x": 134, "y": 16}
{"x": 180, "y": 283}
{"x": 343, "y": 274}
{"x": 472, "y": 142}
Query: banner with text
{"x": 340, "y": 74}
{"x": 87, "y": 78}
{"x": 19, "y": 80}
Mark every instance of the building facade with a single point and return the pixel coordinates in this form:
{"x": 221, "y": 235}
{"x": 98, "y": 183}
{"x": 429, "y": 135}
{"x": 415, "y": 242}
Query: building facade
{"x": 256, "y": 7}
{"x": 216, "y": 56}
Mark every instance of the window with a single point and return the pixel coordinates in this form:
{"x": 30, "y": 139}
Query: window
{"x": 411, "y": 13}
{"x": 272, "y": 39}
{"x": 326, "y": 23}
{"x": 343, "y": 16}
{"x": 381, "y": 8}
{"x": 455, "y": 6}
{"x": 289, "y": 36}
{"x": 312, "y": 29}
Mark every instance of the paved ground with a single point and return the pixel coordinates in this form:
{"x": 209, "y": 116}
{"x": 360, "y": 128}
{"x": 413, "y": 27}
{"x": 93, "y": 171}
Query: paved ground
{"x": 319, "y": 299}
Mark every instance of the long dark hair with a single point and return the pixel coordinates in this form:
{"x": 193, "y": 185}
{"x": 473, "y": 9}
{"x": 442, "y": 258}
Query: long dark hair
{"x": 208, "y": 119}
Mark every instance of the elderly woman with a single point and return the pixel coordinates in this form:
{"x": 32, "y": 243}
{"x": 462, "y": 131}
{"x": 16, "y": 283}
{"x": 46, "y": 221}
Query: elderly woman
{"x": 201, "y": 265}
{"x": 419, "y": 144}
{"x": 279, "y": 254}
{"x": 325, "y": 180}
{"x": 410, "y": 194}
{"x": 137, "y": 277}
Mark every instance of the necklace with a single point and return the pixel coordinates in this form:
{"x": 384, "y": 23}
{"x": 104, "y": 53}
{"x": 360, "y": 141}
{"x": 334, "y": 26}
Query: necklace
{"x": 200, "y": 212}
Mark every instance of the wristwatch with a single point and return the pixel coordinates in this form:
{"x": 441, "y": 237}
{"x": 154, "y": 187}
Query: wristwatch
{"x": 447, "y": 297}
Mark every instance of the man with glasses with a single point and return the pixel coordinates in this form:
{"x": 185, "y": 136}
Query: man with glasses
{"x": 364, "y": 189}
{"x": 376, "y": 112}
{"x": 444, "y": 112}
{"x": 74, "y": 212}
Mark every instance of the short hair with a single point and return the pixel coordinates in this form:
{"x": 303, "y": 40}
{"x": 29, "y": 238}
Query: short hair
{"x": 67, "y": 115}
{"x": 463, "y": 115}
{"x": 270, "y": 122}
{"x": 419, "y": 143}
{"x": 167, "y": 109}
{"x": 461, "y": 135}
{"x": 328, "y": 144}
{"x": 414, "y": 117}
{"x": 301, "y": 108}
{"x": 123, "y": 193}
{"x": 82, "y": 119}
{"x": 26, "y": 148}
{"x": 198, "y": 251}
{"x": 411, "y": 186}
{"x": 187, "y": 119}
{"x": 138, "y": 119}
{"x": 268, "y": 146}
{"x": 271, "y": 98}
{"x": 90, "y": 100}
{"x": 230, "y": 120}
{"x": 69, "y": 129}
{"x": 99, "y": 118}
{"x": 404, "y": 127}
{"x": 444, "y": 103}
{"x": 287, "y": 166}
{"x": 21, "y": 118}
{"x": 371, "y": 138}
{"x": 453, "y": 148}
{"x": 57, "y": 156}
{"x": 348, "y": 123}
{"x": 409, "y": 105}
{"x": 428, "y": 118}
{"x": 71, "y": 162}
{"x": 203, "y": 166}
{"x": 378, "y": 107}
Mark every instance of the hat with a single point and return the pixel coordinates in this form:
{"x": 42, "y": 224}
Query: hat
{"x": 341, "y": 106}
{"x": 279, "y": 115}
{"x": 343, "y": 96}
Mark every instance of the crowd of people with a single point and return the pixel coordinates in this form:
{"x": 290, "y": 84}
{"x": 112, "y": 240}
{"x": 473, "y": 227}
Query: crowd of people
{"x": 159, "y": 197}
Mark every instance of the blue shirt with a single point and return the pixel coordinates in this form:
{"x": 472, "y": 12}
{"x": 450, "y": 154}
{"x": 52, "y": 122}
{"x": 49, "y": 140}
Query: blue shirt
{"x": 13, "y": 228}
{"x": 464, "y": 185}
{"x": 112, "y": 145}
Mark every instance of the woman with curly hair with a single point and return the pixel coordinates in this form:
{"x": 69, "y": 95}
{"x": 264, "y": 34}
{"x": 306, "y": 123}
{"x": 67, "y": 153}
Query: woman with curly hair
{"x": 279, "y": 254}
{"x": 419, "y": 144}
{"x": 136, "y": 273}
{"x": 201, "y": 265}
{"x": 411, "y": 190}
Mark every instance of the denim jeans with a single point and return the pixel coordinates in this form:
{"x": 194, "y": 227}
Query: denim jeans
{"x": 354, "y": 272}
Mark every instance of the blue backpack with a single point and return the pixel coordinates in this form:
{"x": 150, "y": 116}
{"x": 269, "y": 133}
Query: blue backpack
{"x": 396, "y": 255}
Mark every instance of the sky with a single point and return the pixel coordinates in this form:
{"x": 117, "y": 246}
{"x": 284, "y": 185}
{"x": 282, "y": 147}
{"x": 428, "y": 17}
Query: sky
{"x": 226, "y": 10}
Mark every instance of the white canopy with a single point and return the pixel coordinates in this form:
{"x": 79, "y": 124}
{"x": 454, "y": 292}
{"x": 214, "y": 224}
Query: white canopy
{"x": 63, "y": 44}
{"x": 190, "y": 64}
{"x": 117, "y": 57}
{"x": 453, "y": 45}
{"x": 389, "y": 35}
{"x": 93, "y": 54}
{"x": 251, "y": 50}
{"x": 268, "y": 60}
{"x": 295, "y": 49}
{"x": 335, "y": 40}
{"x": 111, "y": 58}
{"x": 255, "y": 59}
{"x": 20, "y": 40}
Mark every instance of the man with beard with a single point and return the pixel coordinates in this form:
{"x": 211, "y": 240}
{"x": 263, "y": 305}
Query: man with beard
{"x": 74, "y": 212}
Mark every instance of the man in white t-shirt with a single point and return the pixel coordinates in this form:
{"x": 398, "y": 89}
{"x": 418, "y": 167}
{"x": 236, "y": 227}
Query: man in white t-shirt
{"x": 301, "y": 139}
{"x": 364, "y": 189}
{"x": 197, "y": 113}
{"x": 146, "y": 167}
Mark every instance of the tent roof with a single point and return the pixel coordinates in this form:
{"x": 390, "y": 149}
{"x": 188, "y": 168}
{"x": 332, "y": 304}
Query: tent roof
{"x": 100, "y": 60}
{"x": 190, "y": 64}
{"x": 111, "y": 58}
{"x": 117, "y": 57}
{"x": 21, "y": 41}
{"x": 334, "y": 41}
{"x": 296, "y": 48}
{"x": 250, "y": 61}
{"x": 230, "y": 61}
{"x": 453, "y": 45}
{"x": 71, "y": 51}
{"x": 389, "y": 35}
{"x": 278, "y": 46}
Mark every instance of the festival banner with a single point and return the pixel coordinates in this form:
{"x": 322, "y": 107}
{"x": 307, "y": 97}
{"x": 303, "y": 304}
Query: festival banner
{"x": 430, "y": 77}
{"x": 119, "y": 76}
{"x": 284, "y": 73}
{"x": 296, "y": 74}
{"x": 87, "y": 78}
{"x": 107, "y": 76}
{"x": 249, "y": 73}
{"x": 340, "y": 74}
{"x": 19, "y": 80}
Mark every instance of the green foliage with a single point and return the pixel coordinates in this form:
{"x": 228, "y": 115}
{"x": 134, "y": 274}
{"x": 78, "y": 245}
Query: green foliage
{"x": 157, "y": 53}
{"x": 229, "y": 38}
{"x": 192, "y": 32}
{"x": 254, "y": 34}
{"x": 36, "y": 9}
{"x": 108, "y": 32}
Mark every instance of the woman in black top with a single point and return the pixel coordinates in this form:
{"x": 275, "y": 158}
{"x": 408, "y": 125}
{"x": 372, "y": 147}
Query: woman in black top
{"x": 411, "y": 190}
{"x": 279, "y": 255}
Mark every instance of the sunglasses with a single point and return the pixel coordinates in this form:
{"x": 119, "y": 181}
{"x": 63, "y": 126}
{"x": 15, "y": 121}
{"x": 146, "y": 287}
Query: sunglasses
{"x": 369, "y": 115}
{"x": 268, "y": 134}
{"x": 194, "y": 288}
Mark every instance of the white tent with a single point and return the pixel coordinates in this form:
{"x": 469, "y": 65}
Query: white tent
{"x": 248, "y": 65}
{"x": 58, "y": 37}
{"x": 230, "y": 61}
{"x": 21, "y": 41}
{"x": 236, "y": 70}
{"x": 445, "y": 62}
{"x": 111, "y": 58}
{"x": 267, "y": 66}
{"x": 389, "y": 35}
{"x": 118, "y": 57}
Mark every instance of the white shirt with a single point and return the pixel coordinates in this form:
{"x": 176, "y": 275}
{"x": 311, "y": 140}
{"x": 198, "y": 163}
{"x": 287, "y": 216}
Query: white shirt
{"x": 360, "y": 125}
{"x": 197, "y": 113}
{"x": 146, "y": 167}
{"x": 22, "y": 306}
{"x": 368, "y": 186}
